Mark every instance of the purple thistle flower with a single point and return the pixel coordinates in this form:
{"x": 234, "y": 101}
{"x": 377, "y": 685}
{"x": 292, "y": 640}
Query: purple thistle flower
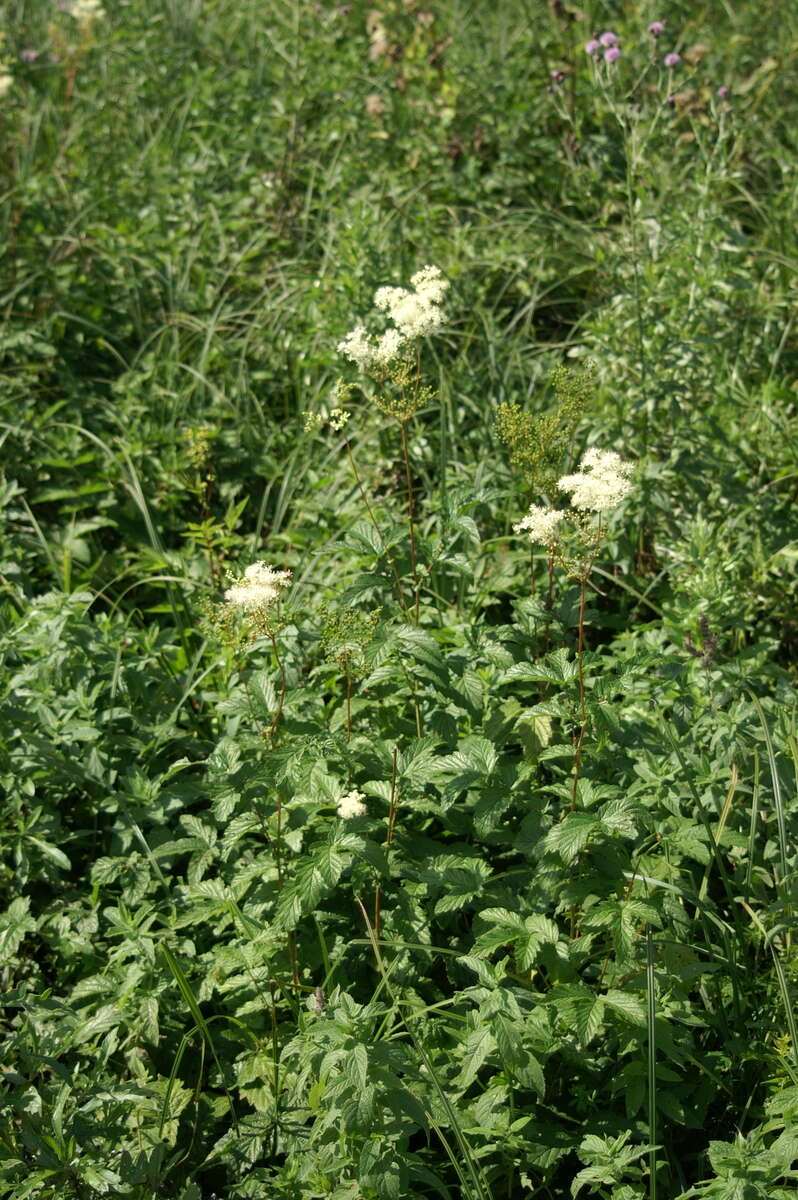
{"x": 656, "y": 28}
{"x": 671, "y": 100}
{"x": 723, "y": 91}
{"x": 29, "y": 56}
{"x": 556, "y": 76}
{"x": 592, "y": 46}
{"x": 612, "y": 54}
{"x": 672, "y": 60}
{"x": 608, "y": 38}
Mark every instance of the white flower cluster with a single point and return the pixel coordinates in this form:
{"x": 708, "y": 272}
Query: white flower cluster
{"x": 541, "y": 524}
{"x": 602, "y": 483}
{"x": 415, "y": 312}
{"x": 6, "y": 78}
{"x": 260, "y": 586}
{"x": 86, "y": 11}
{"x": 351, "y": 805}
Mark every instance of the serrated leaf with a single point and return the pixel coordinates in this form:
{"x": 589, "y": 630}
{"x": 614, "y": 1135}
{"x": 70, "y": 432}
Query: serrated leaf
{"x": 630, "y": 1006}
{"x": 363, "y": 536}
{"x": 571, "y": 835}
{"x": 413, "y": 764}
{"x": 15, "y": 923}
{"x": 476, "y": 1048}
{"x": 312, "y": 880}
{"x": 581, "y": 1010}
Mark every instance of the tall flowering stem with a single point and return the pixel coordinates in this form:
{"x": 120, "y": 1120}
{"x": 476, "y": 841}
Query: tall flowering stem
{"x": 348, "y": 702}
{"x": 278, "y": 712}
{"x": 393, "y": 808}
{"x": 252, "y": 600}
{"x": 411, "y": 525}
{"x": 375, "y": 523}
{"x": 600, "y": 485}
{"x": 580, "y": 660}
{"x": 393, "y": 360}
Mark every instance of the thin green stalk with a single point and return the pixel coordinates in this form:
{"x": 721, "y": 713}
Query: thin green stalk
{"x": 652, "y": 1066}
{"x": 375, "y": 523}
{"x": 752, "y": 827}
{"x": 778, "y": 802}
{"x": 281, "y": 698}
{"x": 348, "y": 702}
{"x": 275, "y": 1062}
{"x": 789, "y": 1011}
{"x": 580, "y": 659}
{"x": 411, "y": 525}
{"x": 199, "y": 1020}
{"x": 392, "y": 808}
{"x": 473, "y": 1183}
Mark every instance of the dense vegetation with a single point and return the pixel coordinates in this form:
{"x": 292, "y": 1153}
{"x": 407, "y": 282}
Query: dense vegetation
{"x": 463, "y": 864}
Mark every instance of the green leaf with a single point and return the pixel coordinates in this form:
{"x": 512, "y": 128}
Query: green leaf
{"x": 476, "y": 1048}
{"x": 312, "y": 880}
{"x": 629, "y": 1006}
{"x": 15, "y": 923}
{"x": 571, "y": 835}
{"x": 52, "y": 852}
{"x": 581, "y": 1010}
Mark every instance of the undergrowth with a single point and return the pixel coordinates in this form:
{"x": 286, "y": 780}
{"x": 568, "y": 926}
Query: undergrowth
{"x": 398, "y": 711}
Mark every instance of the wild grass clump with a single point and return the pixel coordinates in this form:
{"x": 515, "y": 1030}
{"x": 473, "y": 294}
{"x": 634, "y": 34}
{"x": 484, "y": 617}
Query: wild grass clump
{"x": 398, "y": 650}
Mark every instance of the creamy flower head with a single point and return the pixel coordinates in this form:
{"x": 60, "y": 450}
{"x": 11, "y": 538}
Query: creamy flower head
{"x": 6, "y": 81}
{"x": 602, "y": 483}
{"x": 429, "y": 283}
{"x": 541, "y": 524}
{"x": 260, "y": 586}
{"x": 351, "y": 805}
{"x": 388, "y": 346}
{"x": 85, "y": 11}
{"x": 415, "y": 311}
{"x": 357, "y": 347}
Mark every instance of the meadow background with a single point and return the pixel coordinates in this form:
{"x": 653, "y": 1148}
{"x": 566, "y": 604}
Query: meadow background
{"x": 486, "y": 986}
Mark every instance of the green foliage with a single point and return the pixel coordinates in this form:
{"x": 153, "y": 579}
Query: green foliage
{"x": 448, "y": 878}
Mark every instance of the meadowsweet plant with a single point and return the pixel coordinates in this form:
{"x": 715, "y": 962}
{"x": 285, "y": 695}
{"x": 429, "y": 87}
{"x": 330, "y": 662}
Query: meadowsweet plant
{"x": 573, "y": 539}
{"x": 345, "y": 636}
{"x": 391, "y": 358}
{"x": 256, "y": 592}
{"x": 491, "y": 899}
{"x": 351, "y": 805}
{"x": 250, "y": 612}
